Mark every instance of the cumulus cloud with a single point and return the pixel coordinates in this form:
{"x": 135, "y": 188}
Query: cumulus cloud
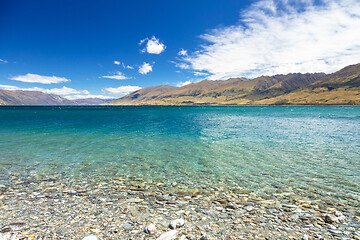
{"x": 117, "y": 76}
{"x": 129, "y": 67}
{"x": 117, "y": 62}
{"x": 145, "y": 68}
{"x": 122, "y": 90}
{"x": 182, "y": 52}
{"x": 181, "y": 84}
{"x": 3, "y": 61}
{"x": 153, "y": 45}
{"x": 282, "y": 36}
{"x": 34, "y": 78}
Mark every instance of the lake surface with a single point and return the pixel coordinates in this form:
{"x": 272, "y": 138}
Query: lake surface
{"x": 311, "y": 150}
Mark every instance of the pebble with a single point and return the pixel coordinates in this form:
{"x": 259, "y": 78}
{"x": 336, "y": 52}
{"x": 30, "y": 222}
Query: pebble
{"x": 126, "y": 226}
{"x": 329, "y": 218}
{"x": 177, "y": 223}
{"x": 150, "y": 229}
{"x": 170, "y": 235}
{"x": 305, "y": 237}
{"x": 340, "y": 217}
{"x": 91, "y": 237}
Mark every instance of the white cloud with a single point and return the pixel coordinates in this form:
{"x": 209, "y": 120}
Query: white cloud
{"x": 181, "y": 84}
{"x": 181, "y": 65}
{"x": 145, "y": 68}
{"x": 64, "y": 91}
{"x": 182, "y": 52}
{"x": 58, "y": 91}
{"x": 75, "y": 97}
{"x": 123, "y": 65}
{"x": 3, "y": 61}
{"x": 153, "y": 45}
{"x": 9, "y": 87}
{"x": 34, "y": 78}
{"x": 118, "y": 76}
{"x": 200, "y": 73}
{"x": 122, "y": 90}
{"x": 283, "y": 36}
{"x": 68, "y": 93}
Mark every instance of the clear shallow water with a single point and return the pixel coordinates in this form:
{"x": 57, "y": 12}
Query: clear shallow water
{"x": 307, "y": 149}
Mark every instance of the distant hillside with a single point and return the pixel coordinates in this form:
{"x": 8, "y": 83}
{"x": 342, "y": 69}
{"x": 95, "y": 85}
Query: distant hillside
{"x": 341, "y": 87}
{"x": 19, "y": 97}
{"x": 90, "y": 101}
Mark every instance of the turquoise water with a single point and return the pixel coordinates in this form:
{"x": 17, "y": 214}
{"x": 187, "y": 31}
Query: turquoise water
{"x": 265, "y": 149}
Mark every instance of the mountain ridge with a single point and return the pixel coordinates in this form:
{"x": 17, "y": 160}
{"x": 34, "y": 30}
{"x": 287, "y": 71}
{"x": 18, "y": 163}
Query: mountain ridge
{"x": 341, "y": 87}
{"x": 21, "y": 97}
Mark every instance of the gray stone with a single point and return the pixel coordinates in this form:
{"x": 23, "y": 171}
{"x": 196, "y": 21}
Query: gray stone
{"x": 126, "y": 226}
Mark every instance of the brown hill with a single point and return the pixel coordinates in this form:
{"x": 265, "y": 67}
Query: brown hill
{"x": 342, "y": 87}
{"x": 232, "y": 91}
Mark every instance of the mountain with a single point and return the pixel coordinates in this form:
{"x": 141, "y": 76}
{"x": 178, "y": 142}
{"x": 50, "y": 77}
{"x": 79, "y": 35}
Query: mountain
{"x": 19, "y": 97}
{"x": 143, "y": 95}
{"x": 341, "y": 87}
{"x": 90, "y": 101}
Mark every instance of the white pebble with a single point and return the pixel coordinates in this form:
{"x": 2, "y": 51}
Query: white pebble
{"x": 177, "y": 223}
{"x": 91, "y": 237}
{"x": 170, "y": 235}
{"x": 150, "y": 229}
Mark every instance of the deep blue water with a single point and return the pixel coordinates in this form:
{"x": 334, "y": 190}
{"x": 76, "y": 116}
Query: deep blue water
{"x": 308, "y": 149}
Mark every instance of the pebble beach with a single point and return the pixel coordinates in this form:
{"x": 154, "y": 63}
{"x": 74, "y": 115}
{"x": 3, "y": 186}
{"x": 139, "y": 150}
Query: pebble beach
{"x": 43, "y": 207}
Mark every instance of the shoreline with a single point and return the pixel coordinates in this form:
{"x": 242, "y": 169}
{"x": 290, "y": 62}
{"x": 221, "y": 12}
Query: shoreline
{"x": 38, "y": 207}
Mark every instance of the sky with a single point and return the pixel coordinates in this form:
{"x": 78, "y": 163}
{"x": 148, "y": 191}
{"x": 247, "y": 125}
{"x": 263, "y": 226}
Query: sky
{"x": 80, "y": 49}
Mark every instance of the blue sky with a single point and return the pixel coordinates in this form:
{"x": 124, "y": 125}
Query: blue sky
{"x": 87, "y": 48}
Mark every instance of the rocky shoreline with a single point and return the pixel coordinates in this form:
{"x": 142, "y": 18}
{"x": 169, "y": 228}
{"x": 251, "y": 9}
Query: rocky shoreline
{"x": 58, "y": 207}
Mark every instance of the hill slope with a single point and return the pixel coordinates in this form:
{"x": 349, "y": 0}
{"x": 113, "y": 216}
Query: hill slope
{"x": 232, "y": 91}
{"x": 342, "y": 87}
{"x": 18, "y": 97}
